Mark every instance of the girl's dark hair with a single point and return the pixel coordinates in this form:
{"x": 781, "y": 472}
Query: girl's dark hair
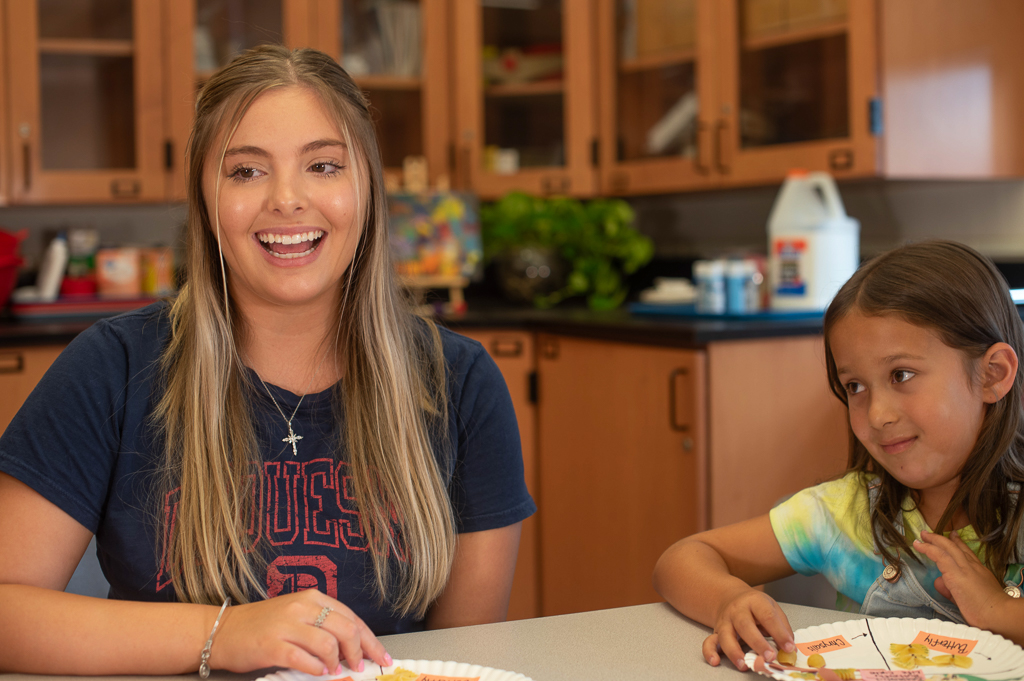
{"x": 956, "y": 292}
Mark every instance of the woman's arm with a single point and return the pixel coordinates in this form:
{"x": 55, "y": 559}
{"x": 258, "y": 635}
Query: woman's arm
{"x": 707, "y": 577}
{"x": 47, "y": 631}
{"x": 481, "y": 580}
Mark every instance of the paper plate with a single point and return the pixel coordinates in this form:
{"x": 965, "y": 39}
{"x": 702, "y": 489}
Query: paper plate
{"x": 862, "y": 649}
{"x": 433, "y": 668}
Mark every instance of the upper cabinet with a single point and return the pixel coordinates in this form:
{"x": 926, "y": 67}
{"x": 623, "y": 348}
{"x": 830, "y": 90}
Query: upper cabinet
{"x": 199, "y": 37}
{"x": 710, "y": 93}
{"x": 397, "y": 51}
{"x": 656, "y": 90}
{"x": 797, "y": 79}
{"x": 84, "y": 94}
{"x": 525, "y": 107}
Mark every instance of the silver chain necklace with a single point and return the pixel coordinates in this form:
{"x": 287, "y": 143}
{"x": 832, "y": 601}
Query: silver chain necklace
{"x": 292, "y": 438}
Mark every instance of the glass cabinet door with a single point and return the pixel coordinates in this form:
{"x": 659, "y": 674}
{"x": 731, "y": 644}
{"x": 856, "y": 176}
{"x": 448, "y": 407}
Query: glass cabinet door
{"x": 200, "y": 37}
{"x": 85, "y": 100}
{"x": 656, "y": 83}
{"x": 799, "y": 79}
{"x": 395, "y": 50}
{"x": 525, "y": 108}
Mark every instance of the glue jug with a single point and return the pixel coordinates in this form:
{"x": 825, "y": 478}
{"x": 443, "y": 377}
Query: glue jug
{"x": 813, "y": 245}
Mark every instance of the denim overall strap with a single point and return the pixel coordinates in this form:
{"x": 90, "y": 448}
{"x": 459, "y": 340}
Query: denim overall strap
{"x": 905, "y": 597}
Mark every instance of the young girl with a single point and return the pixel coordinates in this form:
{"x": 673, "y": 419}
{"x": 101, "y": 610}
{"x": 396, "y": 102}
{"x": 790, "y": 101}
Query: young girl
{"x": 281, "y": 462}
{"x": 922, "y": 346}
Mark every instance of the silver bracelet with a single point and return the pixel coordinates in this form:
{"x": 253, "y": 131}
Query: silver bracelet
{"x": 204, "y": 657}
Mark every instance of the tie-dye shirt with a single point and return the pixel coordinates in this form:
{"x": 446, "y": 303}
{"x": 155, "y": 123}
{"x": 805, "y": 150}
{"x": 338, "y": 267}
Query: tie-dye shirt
{"x": 825, "y": 530}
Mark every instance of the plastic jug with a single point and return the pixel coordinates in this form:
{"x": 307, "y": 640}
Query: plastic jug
{"x": 813, "y": 245}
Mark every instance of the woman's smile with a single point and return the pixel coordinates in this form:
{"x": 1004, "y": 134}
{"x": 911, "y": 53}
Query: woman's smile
{"x": 290, "y": 244}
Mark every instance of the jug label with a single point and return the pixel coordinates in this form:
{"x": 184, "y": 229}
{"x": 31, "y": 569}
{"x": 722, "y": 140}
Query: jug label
{"x": 791, "y": 254}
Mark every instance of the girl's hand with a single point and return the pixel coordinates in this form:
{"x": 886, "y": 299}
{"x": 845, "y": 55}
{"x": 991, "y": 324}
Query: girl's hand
{"x": 965, "y": 580}
{"x": 748, "y": 618}
{"x": 279, "y": 632}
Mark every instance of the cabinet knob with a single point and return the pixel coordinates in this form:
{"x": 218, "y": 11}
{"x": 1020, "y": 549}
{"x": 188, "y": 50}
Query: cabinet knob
{"x": 125, "y": 189}
{"x": 687, "y": 444}
{"x": 12, "y": 363}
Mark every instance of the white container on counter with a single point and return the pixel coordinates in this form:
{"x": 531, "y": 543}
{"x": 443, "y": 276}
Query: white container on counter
{"x": 709, "y": 276}
{"x": 813, "y": 245}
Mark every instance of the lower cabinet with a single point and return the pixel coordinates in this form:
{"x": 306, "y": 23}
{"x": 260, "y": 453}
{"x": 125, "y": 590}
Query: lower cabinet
{"x": 20, "y": 370}
{"x": 622, "y": 459}
{"x": 630, "y": 447}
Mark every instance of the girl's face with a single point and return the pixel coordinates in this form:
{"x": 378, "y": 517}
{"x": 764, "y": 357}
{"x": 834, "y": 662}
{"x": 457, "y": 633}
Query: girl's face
{"x": 912, "y": 403}
{"x": 289, "y": 218}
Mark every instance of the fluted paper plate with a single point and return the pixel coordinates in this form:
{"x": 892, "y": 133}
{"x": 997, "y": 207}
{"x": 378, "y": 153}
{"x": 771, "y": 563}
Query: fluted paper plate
{"x": 459, "y": 670}
{"x": 863, "y": 646}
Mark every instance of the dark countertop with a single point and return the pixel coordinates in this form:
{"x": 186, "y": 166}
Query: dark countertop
{"x": 621, "y": 325}
{"x": 616, "y": 325}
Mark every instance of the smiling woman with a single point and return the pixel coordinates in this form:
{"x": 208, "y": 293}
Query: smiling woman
{"x": 283, "y": 462}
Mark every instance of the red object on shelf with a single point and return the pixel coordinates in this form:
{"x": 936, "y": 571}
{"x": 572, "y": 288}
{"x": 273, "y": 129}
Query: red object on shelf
{"x": 78, "y": 286}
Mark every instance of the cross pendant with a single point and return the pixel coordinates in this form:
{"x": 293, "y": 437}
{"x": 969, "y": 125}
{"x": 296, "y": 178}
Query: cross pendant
{"x": 292, "y": 439}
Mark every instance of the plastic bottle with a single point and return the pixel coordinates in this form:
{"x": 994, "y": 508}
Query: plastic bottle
{"x": 51, "y": 271}
{"x": 813, "y": 245}
{"x": 710, "y": 278}
{"x": 742, "y": 288}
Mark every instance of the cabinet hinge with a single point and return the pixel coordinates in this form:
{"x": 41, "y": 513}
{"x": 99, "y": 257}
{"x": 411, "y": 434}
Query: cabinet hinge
{"x": 595, "y": 152}
{"x": 169, "y": 155}
{"x": 875, "y": 115}
{"x": 532, "y": 381}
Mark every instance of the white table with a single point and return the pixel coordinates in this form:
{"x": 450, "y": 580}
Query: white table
{"x": 604, "y": 645}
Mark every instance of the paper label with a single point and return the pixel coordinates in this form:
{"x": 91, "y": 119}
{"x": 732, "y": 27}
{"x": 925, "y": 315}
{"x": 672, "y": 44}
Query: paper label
{"x": 946, "y": 644}
{"x": 825, "y": 645}
{"x": 892, "y": 674}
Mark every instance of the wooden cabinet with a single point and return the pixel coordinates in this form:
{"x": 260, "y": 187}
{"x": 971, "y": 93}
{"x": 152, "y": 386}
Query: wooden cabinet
{"x": 720, "y": 93}
{"x": 631, "y": 447}
{"x": 525, "y": 99}
{"x": 513, "y": 352}
{"x": 623, "y": 457}
{"x": 398, "y": 53}
{"x": 708, "y": 93}
{"x": 199, "y": 37}
{"x": 20, "y": 370}
{"x": 84, "y": 93}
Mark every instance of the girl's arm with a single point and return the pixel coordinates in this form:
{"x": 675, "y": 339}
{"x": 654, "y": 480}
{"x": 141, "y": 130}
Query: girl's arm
{"x": 47, "y": 631}
{"x": 481, "y": 579}
{"x": 707, "y": 577}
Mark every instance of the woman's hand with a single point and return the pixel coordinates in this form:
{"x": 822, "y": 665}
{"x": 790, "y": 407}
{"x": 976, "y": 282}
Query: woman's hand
{"x": 748, "y": 618}
{"x": 965, "y": 580}
{"x": 280, "y": 632}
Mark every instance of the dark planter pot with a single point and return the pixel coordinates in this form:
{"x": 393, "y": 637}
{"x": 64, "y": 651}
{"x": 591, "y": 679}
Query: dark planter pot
{"x": 528, "y": 272}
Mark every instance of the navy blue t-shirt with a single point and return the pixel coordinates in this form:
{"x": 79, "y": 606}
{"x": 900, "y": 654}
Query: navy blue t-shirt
{"x": 84, "y": 439}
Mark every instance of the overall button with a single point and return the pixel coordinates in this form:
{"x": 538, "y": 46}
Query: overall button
{"x": 892, "y": 574}
{"x": 1012, "y": 590}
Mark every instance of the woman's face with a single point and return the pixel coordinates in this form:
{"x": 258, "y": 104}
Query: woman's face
{"x": 289, "y": 215}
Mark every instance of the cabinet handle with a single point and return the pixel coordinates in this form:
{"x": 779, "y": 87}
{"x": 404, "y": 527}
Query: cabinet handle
{"x": 721, "y": 127}
{"x": 840, "y": 159}
{"x": 26, "y": 159}
{"x": 506, "y": 347}
{"x": 125, "y": 189}
{"x": 673, "y": 400}
{"x": 549, "y": 348}
{"x": 699, "y": 165}
{"x": 12, "y": 363}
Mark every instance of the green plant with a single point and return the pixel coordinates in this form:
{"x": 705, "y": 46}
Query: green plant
{"x": 597, "y": 239}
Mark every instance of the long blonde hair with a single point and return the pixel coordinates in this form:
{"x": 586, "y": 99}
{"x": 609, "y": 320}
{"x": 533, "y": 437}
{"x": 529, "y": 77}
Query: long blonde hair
{"x": 393, "y": 396}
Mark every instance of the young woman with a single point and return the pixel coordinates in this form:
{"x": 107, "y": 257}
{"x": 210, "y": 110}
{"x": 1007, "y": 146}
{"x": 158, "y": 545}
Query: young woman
{"x": 281, "y": 462}
{"x": 922, "y": 345}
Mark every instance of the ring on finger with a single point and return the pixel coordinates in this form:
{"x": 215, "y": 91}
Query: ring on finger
{"x": 321, "y": 617}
